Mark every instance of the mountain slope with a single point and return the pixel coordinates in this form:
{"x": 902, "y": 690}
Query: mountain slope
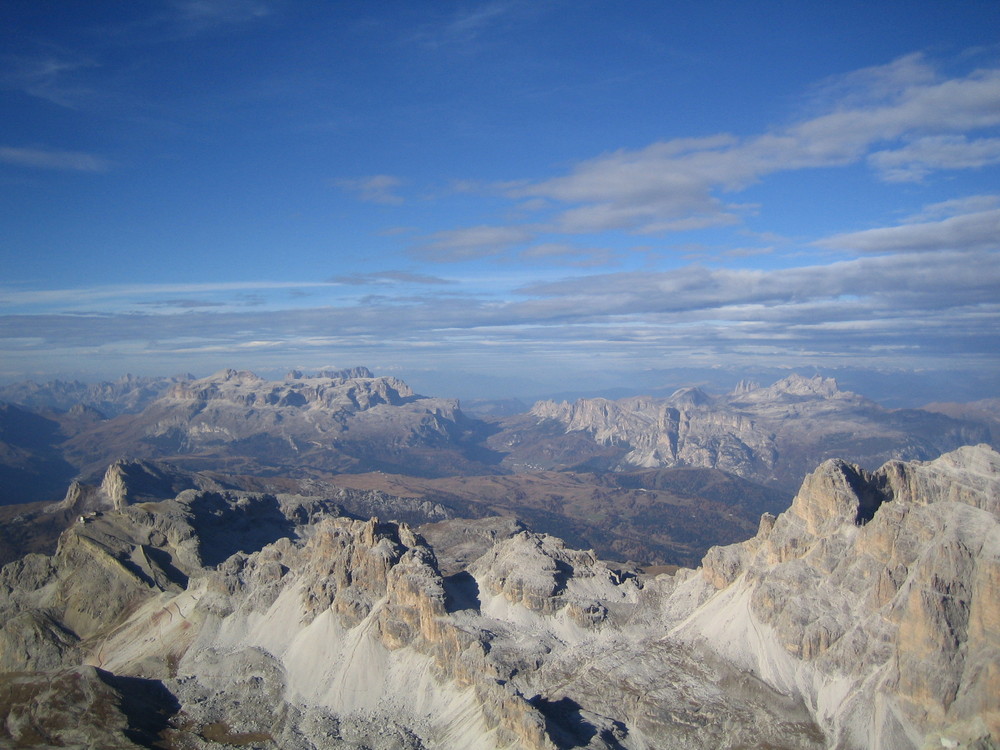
{"x": 32, "y": 466}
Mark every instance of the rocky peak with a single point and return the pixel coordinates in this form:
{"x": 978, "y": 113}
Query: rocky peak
{"x": 113, "y": 485}
{"x": 967, "y": 475}
{"x": 350, "y": 389}
{"x": 745, "y": 386}
{"x": 891, "y": 574}
{"x": 691, "y": 396}
{"x": 867, "y": 615}
{"x": 837, "y": 493}
{"x": 129, "y": 480}
{"x": 794, "y": 387}
{"x": 347, "y": 374}
{"x": 540, "y": 573}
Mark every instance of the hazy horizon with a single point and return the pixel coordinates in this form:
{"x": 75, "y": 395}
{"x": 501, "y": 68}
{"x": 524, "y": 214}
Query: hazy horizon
{"x": 890, "y": 388}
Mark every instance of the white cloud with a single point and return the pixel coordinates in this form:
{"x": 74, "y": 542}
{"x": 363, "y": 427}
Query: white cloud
{"x": 100, "y": 297}
{"x": 679, "y": 184}
{"x": 53, "y": 79}
{"x": 470, "y": 28}
{"x": 379, "y": 188}
{"x": 197, "y": 16}
{"x": 979, "y": 230}
{"x": 969, "y": 204}
{"x": 940, "y": 306}
{"x": 473, "y": 242}
{"x": 388, "y": 277}
{"x": 920, "y": 157}
{"x": 39, "y": 158}
{"x": 565, "y": 253}
{"x": 862, "y": 87}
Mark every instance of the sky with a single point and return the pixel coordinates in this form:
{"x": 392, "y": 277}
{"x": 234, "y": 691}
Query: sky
{"x": 490, "y": 198}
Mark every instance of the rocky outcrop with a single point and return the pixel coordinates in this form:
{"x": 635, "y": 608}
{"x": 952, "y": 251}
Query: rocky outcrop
{"x": 865, "y": 616}
{"x": 880, "y": 591}
{"x": 145, "y": 531}
{"x": 672, "y": 433}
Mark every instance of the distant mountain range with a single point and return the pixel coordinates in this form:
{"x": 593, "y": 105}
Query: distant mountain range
{"x": 351, "y": 421}
{"x": 654, "y": 480}
{"x": 126, "y": 395}
{"x": 771, "y": 435}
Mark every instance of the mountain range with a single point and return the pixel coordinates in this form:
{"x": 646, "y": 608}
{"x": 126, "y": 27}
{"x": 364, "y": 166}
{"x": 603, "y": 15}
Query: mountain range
{"x": 656, "y": 481}
{"x": 334, "y": 561}
{"x": 771, "y": 435}
{"x": 349, "y": 421}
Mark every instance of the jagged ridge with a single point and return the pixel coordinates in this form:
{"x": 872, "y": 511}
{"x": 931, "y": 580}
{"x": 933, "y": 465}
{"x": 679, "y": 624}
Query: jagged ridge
{"x": 867, "y": 615}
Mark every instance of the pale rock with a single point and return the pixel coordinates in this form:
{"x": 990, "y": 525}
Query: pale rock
{"x": 865, "y": 616}
{"x": 887, "y": 581}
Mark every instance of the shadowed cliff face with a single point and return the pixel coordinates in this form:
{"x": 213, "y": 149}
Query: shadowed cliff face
{"x": 32, "y": 466}
{"x": 867, "y": 615}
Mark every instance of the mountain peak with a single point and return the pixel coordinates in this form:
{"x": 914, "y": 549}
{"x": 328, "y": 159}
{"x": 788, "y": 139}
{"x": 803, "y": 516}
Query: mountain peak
{"x": 229, "y": 374}
{"x": 801, "y": 386}
{"x": 745, "y": 386}
{"x": 795, "y": 387}
{"x": 690, "y": 396}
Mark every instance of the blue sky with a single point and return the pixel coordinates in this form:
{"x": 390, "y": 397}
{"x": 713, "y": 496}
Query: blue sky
{"x": 545, "y": 195}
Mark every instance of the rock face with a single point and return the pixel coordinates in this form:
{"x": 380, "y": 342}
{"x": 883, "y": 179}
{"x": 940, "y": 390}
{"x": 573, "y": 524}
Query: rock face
{"x": 773, "y": 435}
{"x": 865, "y": 616}
{"x": 880, "y": 592}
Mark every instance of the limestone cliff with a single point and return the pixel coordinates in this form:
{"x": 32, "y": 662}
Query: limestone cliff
{"x": 874, "y": 596}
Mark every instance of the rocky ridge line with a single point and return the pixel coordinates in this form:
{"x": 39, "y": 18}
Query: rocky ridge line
{"x": 865, "y": 616}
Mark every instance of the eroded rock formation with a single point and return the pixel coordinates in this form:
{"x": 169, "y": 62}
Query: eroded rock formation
{"x": 865, "y": 616}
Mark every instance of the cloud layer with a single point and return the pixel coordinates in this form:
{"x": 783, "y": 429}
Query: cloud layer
{"x": 932, "y": 304}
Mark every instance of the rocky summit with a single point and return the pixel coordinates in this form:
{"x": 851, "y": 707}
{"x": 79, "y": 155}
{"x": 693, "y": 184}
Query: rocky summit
{"x": 177, "y": 613}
